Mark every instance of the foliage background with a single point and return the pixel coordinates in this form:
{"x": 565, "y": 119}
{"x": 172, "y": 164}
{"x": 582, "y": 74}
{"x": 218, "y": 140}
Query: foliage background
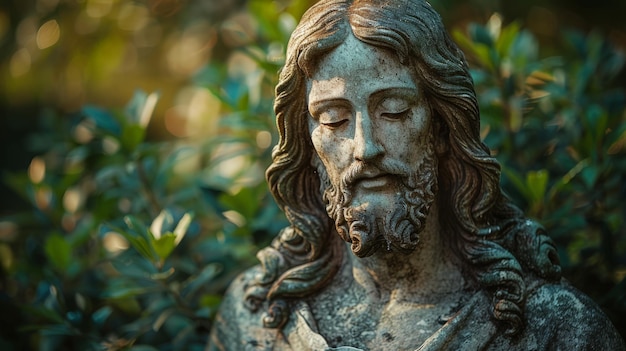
{"x": 120, "y": 227}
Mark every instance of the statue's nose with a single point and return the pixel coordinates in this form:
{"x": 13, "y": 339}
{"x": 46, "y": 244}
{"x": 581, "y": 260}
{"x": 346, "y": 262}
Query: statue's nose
{"x": 366, "y": 144}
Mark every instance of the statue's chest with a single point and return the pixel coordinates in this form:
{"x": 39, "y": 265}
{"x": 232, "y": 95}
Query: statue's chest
{"x": 359, "y": 322}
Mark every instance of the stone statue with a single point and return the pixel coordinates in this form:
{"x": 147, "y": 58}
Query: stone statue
{"x": 400, "y": 236}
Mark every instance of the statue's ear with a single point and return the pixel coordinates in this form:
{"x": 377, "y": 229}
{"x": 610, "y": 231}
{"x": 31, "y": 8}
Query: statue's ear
{"x": 442, "y": 135}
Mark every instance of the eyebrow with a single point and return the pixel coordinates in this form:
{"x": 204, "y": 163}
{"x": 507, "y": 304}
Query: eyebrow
{"x": 404, "y": 92}
{"x": 317, "y": 104}
{"x": 409, "y": 93}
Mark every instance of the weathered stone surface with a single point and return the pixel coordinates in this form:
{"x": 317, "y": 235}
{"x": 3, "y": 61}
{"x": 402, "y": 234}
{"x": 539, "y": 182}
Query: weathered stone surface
{"x": 558, "y": 317}
{"x": 400, "y": 236}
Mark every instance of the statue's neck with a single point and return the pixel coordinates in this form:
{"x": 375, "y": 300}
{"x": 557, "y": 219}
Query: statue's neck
{"x": 422, "y": 276}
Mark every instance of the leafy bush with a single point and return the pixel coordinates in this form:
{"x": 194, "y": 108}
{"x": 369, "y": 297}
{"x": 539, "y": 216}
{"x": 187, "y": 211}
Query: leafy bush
{"x": 131, "y": 242}
{"x": 558, "y": 126}
{"x": 100, "y": 189}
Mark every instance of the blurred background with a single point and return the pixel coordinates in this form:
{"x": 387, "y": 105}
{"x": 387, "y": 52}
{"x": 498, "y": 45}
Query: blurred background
{"x": 59, "y": 55}
{"x": 135, "y": 135}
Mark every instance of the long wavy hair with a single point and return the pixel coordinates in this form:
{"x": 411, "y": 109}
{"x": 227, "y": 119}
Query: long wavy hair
{"x": 487, "y": 233}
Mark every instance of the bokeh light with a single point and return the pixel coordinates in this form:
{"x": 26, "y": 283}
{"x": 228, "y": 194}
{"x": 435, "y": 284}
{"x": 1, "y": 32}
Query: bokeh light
{"x": 114, "y": 242}
{"x": 37, "y": 170}
{"x": 48, "y": 34}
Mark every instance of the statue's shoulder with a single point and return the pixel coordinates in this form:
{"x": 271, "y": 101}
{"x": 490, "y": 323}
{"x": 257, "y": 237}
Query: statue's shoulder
{"x": 237, "y": 327}
{"x": 559, "y": 316}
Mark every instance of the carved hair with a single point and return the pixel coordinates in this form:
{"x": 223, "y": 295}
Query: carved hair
{"x": 478, "y": 222}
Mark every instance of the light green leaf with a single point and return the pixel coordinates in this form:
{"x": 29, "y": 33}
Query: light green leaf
{"x": 163, "y": 275}
{"x": 182, "y": 226}
{"x": 537, "y": 182}
{"x": 211, "y": 301}
{"x": 506, "y": 38}
{"x": 121, "y": 292}
{"x": 132, "y": 135}
{"x": 139, "y": 109}
{"x": 164, "y": 245}
{"x": 156, "y": 228}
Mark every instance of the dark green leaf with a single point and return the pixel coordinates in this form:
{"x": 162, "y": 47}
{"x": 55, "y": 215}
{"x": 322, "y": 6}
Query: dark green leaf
{"x": 59, "y": 252}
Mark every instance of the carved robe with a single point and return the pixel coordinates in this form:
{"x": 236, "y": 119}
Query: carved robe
{"x": 556, "y": 317}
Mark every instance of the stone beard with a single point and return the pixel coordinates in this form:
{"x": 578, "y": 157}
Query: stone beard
{"x": 392, "y": 221}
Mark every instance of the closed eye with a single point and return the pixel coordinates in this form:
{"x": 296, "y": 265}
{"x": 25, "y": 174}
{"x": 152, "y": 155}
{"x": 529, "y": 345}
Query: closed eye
{"x": 334, "y": 125}
{"x": 396, "y": 116}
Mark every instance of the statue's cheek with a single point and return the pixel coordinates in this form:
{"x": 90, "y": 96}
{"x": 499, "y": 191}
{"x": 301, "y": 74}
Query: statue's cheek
{"x": 334, "y": 151}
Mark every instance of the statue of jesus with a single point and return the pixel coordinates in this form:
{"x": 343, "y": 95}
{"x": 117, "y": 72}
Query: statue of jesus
{"x": 400, "y": 236}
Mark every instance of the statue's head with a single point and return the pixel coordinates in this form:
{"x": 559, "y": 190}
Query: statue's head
{"x": 378, "y": 120}
{"x": 427, "y": 127}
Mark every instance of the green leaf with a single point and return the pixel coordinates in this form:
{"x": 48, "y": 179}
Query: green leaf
{"x": 162, "y": 223}
{"x": 506, "y": 38}
{"x": 163, "y": 275}
{"x": 211, "y": 301}
{"x": 135, "y": 224}
{"x": 103, "y": 119}
{"x": 480, "y": 34}
{"x": 158, "y": 323}
{"x": 59, "y": 252}
{"x": 101, "y": 315}
{"x": 590, "y": 175}
{"x": 140, "y": 244}
{"x": 191, "y": 285}
{"x": 567, "y": 178}
{"x": 182, "y": 226}
{"x": 139, "y": 237}
{"x": 246, "y": 201}
{"x": 537, "y": 182}
{"x": 164, "y": 245}
{"x": 518, "y": 183}
{"x": 123, "y": 288}
{"x": 523, "y": 50}
{"x": 132, "y": 135}
{"x": 131, "y": 266}
{"x": 139, "y": 109}
{"x": 482, "y": 52}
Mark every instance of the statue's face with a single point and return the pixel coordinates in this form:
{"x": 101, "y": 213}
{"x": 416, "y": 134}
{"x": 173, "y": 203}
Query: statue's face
{"x": 371, "y": 128}
{"x": 366, "y": 106}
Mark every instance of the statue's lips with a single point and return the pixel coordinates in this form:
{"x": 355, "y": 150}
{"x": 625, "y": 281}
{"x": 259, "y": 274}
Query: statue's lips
{"x": 375, "y": 181}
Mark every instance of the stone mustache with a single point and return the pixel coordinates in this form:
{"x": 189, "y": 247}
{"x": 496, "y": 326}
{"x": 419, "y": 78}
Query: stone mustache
{"x": 400, "y": 237}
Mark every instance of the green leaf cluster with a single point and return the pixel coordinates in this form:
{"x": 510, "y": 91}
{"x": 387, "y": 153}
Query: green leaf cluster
{"x": 131, "y": 240}
{"x": 558, "y": 126}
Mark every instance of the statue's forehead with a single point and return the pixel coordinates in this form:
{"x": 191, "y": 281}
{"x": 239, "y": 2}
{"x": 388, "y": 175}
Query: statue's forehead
{"x": 357, "y": 67}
